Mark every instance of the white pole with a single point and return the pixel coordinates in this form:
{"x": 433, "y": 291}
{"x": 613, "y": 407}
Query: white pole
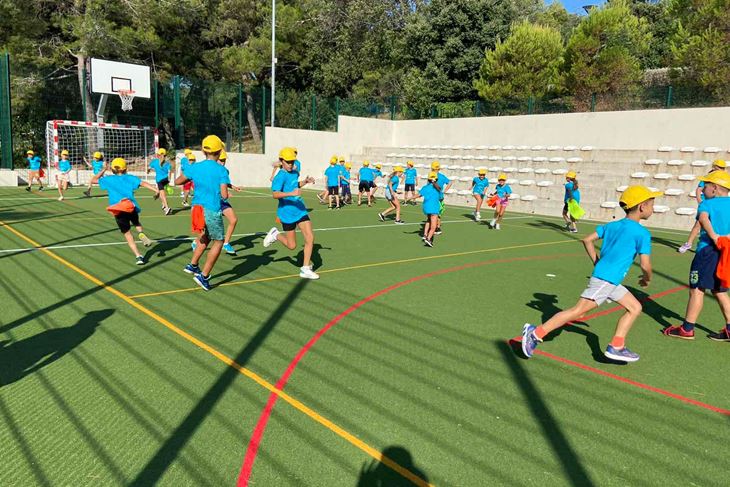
{"x": 273, "y": 60}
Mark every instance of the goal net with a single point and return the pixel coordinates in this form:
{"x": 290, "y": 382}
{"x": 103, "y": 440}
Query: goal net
{"x": 135, "y": 143}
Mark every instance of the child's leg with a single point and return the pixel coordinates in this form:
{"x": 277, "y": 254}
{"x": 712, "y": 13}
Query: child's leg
{"x": 566, "y": 316}
{"x": 566, "y": 216}
{"x": 392, "y": 207}
{"x": 214, "y": 250}
{"x": 203, "y": 242}
{"x": 724, "y": 301}
{"x": 633, "y": 310}
{"x": 232, "y": 221}
{"x": 501, "y": 213}
{"x": 131, "y": 243}
{"x": 433, "y": 226}
{"x": 163, "y": 198}
{"x": 396, "y": 203}
{"x": 337, "y": 199}
{"x": 427, "y": 226}
{"x": 694, "y": 305}
{"x": 479, "y": 202}
{"x": 288, "y": 239}
{"x": 308, "y": 234}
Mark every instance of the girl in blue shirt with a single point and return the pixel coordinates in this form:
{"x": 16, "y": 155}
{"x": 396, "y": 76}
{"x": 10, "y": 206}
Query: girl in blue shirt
{"x": 431, "y": 194}
{"x": 98, "y": 166}
{"x": 345, "y": 184}
{"x": 64, "y": 171}
{"x": 34, "y": 170}
{"x": 410, "y": 184}
{"x": 162, "y": 169}
{"x": 503, "y": 191}
{"x": 377, "y": 173}
{"x": 479, "y": 186}
{"x": 572, "y": 192}
{"x": 390, "y": 194}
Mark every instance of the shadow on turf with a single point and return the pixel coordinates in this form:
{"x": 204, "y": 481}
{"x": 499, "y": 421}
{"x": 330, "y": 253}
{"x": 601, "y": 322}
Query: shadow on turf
{"x": 550, "y": 427}
{"x": 377, "y": 474}
{"x": 173, "y": 445}
{"x": 316, "y": 258}
{"x": 554, "y": 226}
{"x": 24, "y": 357}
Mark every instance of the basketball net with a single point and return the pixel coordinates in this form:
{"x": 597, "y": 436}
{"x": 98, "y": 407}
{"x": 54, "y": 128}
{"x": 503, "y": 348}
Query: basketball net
{"x": 126, "y": 96}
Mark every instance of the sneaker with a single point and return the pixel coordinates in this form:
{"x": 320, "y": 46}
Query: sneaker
{"x": 400, "y": 222}
{"x": 369, "y": 205}
{"x": 496, "y": 226}
{"x": 381, "y": 216}
{"x": 145, "y": 240}
{"x": 720, "y": 336}
{"x": 358, "y": 203}
{"x": 140, "y": 260}
{"x": 167, "y": 210}
{"x": 87, "y": 193}
{"x": 321, "y": 200}
{"x": 429, "y": 243}
{"x": 567, "y": 226}
{"x": 306, "y": 272}
{"x": 573, "y": 230}
{"x": 678, "y": 332}
{"x": 202, "y": 281}
{"x": 60, "y": 198}
{"x": 621, "y": 354}
{"x": 477, "y": 216}
{"x": 185, "y": 204}
{"x": 684, "y": 248}
{"x": 27, "y": 188}
{"x": 438, "y": 232}
{"x": 529, "y": 340}
{"x": 192, "y": 269}
{"x": 492, "y": 223}
{"x": 41, "y": 188}
{"x": 229, "y": 249}
{"x": 156, "y": 196}
{"x": 194, "y": 245}
{"x": 270, "y": 237}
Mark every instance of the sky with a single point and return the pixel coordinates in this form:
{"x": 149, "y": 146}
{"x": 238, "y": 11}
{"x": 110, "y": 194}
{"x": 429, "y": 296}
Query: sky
{"x": 576, "y": 6}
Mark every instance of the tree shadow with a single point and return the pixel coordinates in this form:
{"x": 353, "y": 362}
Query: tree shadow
{"x": 377, "y": 474}
{"x": 659, "y": 313}
{"x": 249, "y": 263}
{"x": 672, "y": 244}
{"x": 19, "y": 359}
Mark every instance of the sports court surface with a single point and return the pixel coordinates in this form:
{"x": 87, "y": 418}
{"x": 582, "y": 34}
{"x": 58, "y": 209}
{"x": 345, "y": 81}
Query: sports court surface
{"x": 114, "y": 374}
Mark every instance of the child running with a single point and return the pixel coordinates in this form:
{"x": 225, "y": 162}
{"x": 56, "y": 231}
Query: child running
{"x": 391, "y": 195}
{"x": 713, "y": 216}
{"x": 623, "y": 240}
{"x": 503, "y": 192}
{"x": 120, "y": 187}
{"x": 409, "y": 195}
{"x": 718, "y": 165}
{"x": 479, "y": 186}
{"x": 345, "y": 178}
{"x": 377, "y": 173}
{"x": 163, "y": 170}
{"x": 431, "y": 194}
{"x": 211, "y": 187}
{"x": 98, "y": 166}
{"x": 185, "y": 161}
{"x": 34, "y": 170}
{"x": 572, "y": 192}
{"x": 64, "y": 172}
{"x": 365, "y": 176}
{"x": 227, "y": 210}
{"x": 292, "y": 212}
{"x": 332, "y": 173}
{"x": 444, "y": 184}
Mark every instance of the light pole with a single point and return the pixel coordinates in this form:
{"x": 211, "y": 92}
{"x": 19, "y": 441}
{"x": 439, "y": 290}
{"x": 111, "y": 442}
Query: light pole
{"x": 273, "y": 60}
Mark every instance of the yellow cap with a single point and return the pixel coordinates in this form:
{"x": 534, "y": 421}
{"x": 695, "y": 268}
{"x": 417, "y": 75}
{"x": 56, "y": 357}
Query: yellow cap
{"x": 366, "y": 163}
{"x": 212, "y": 143}
{"x": 348, "y": 165}
{"x": 432, "y": 176}
{"x": 119, "y": 163}
{"x": 435, "y": 165}
{"x": 162, "y": 151}
{"x": 188, "y": 152}
{"x": 635, "y": 195}
{"x": 502, "y": 177}
{"x": 398, "y": 169}
{"x": 342, "y": 159}
{"x": 721, "y": 178}
{"x": 191, "y": 158}
{"x": 409, "y": 163}
{"x": 98, "y": 155}
{"x": 30, "y": 153}
{"x": 571, "y": 174}
{"x": 223, "y": 156}
{"x": 482, "y": 171}
{"x": 378, "y": 166}
{"x": 64, "y": 152}
{"x": 719, "y": 163}
{"x": 288, "y": 154}
{"x": 333, "y": 160}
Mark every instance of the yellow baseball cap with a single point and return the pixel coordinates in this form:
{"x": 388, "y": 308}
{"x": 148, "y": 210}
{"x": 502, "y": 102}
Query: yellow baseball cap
{"x": 719, "y": 163}
{"x": 348, "y": 165}
{"x": 432, "y": 176}
{"x": 409, "y": 163}
{"x": 212, "y": 143}
{"x": 342, "y": 159}
{"x": 482, "y": 171}
{"x": 30, "y": 153}
{"x": 571, "y": 174}
{"x": 635, "y": 195}
{"x": 502, "y": 177}
{"x": 398, "y": 169}
{"x": 288, "y": 154}
{"x": 366, "y": 163}
{"x": 191, "y": 158}
{"x": 223, "y": 155}
{"x": 162, "y": 151}
{"x": 188, "y": 151}
{"x": 333, "y": 161}
{"x": 378, "y": 166}
{"x": 98, "y": 155}
{"x": 435, "y": 165}
{"x": 64, "y": 152}
{"x": 119, "y": 163}
{"x": 721, "y": 178}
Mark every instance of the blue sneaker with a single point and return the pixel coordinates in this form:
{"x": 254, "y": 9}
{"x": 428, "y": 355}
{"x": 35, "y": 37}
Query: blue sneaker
{"x": 192, "y": 269}
{"x": 194, "y": 245}
{"x": 202, "y": 281}
{"x": 621, "y": 354}
{"x": 228, "y": 248}
{"x": 529, "y": 340}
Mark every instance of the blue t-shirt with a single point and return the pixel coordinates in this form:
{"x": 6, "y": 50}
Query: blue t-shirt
{"x": 394, "y": 182}
{"x": 208, "y": 177}
{"x": 64, "y": 165}
{"x": 431, "y": 199}
{"x": 333, "y": 175}
{"x": 97, "y": 165}
{"x": 410, "y": 175}
{"x": 377, "y": 174}
{"x": 503, "y": 191}
{"x": 442, "y": 181}
{"x": 162, "y": 169}
{"x": 366, "y": 174}
{"x": 119, "y": 187}
{"x": 718, "y": 209}
{"x": 576, "y": 193}
{"x": 184, "y": 162}
{"x": 346, "y": 175}
{"x": 34, "y": 163}
{"x": 623, "y": 240}
{"x": 480, "y": 185}
{"x": 291, "y": 209}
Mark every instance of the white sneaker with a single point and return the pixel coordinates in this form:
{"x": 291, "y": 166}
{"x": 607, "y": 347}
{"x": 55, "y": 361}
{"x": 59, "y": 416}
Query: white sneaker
{"x": 270, "y": 237}
{"x": 478, "y": 216}
{"x": 306, "y": 272}
{"x": 491, "y": 224}
{"x": 60, "y": 198}
{"x": 496, "y": 227}
{"x": 684, "y": 248}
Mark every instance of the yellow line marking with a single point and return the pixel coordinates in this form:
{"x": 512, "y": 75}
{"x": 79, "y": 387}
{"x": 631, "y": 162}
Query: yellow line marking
{"x": 355, "y": 267}
{"x": 377, "y": 455}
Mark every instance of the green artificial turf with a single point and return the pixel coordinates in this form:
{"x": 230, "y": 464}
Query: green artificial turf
{"x": 96, "y": 392}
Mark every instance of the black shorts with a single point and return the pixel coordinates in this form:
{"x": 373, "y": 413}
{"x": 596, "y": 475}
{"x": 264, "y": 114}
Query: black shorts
{"x": 161, "y": 184}
{"x": 364, "y": 186}
{"x": 126, "y": 220}
{"x": 703, "y": 269}
{"x": 344, "y": 189}
{"x": 333, "y": 190}
{"x": 410, "y": 187}
{"x": 373, "y": 185}
{"x": 225, "y": 205}
{"x": 288, "y": 227}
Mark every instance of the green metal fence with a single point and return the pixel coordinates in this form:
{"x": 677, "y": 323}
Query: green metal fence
{"x": 6, "y": 132}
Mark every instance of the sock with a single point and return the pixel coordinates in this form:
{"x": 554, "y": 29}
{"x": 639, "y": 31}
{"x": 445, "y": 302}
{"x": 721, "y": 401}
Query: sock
{"x": 727, "y": 328}
{"x": 687, "y": 326}
{"x": 540, "y": 332}
{"x": 618, "y": 342}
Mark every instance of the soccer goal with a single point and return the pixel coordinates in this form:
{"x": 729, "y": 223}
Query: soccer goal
{"x": 135, "y": 143}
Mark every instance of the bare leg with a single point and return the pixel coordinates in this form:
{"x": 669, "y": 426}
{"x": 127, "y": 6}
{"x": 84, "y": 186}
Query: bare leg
{"x": 694, "y": 305}
{"x": 724, "y": 301}
{"x": 163, "y": 198}
{"x": 132, "y": 244}
{"x": 308, "y": 234}
{"x": 203, "y": 242}
{"x": 432, "y": 227}
{"x": 232, "y": 221}
{"x": 214, "y": 250}
{"x": 571, "y": 314}
{"x": 633, "y": 310}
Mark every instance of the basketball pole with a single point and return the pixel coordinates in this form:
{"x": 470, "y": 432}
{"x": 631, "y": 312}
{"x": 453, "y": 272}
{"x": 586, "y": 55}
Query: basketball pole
{"x": 273, "y": 61}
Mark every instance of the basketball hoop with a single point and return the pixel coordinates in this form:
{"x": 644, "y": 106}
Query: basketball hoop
{"x": 126, "y": 96}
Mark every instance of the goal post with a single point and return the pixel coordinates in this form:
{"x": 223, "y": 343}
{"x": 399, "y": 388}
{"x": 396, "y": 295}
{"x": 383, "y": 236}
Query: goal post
{"x": 137, "y": 144}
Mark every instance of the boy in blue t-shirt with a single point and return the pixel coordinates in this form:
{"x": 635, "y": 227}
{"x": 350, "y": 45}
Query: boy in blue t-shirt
{"x": 431, "y": 194}
{"x": 623, "y": 240}
{"x": 291, "y": 211}
{"x": 98, "y": 166}
{"x": 409, "y": 190}
{"x": 121, "y": 187}
{"x": 444, "y": 183}
{"x": 163, "y": 170}
{"x": 64, "y": 172}
{"x": 211, "y": 187}
{"x": 718, "y": 165}
{"x": 365, "y": 176}
{"x": 572, "y": 192}
{"x": 479, "y": 186}
{"x": 332, "y": 174}
{"x": 713, "y": 216}
{"x": 345, "y": 184}
{"x": 377, "y": 173}
{"x": 34, "y": 170}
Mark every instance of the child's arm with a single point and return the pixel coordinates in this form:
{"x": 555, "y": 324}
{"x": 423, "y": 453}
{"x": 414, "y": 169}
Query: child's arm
{"x": 307, "y": 180}
{"x": 95, "y": 178}
{"x": 589, "y": 244}
{"x": 88, "y": 164}
{"x": 645, "y": 264}
{"x": 698, "y": 195}
{"x": 149, "y": 186}
{"x": 181, "y": 179}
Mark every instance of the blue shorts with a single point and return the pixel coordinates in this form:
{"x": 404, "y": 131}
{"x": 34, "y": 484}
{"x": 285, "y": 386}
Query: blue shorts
{"x": 225, "y": 205}
{"x": 703, "y": 268}
{"x": 214, "y": 224}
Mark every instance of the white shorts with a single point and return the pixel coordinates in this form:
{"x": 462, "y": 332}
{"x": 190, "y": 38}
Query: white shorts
{"x": 599, "y": 291}
{"x": 62, "y": 177}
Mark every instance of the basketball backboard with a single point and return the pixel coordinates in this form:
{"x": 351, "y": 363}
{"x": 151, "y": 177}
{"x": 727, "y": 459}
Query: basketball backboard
{"x": 109, "y": 77}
